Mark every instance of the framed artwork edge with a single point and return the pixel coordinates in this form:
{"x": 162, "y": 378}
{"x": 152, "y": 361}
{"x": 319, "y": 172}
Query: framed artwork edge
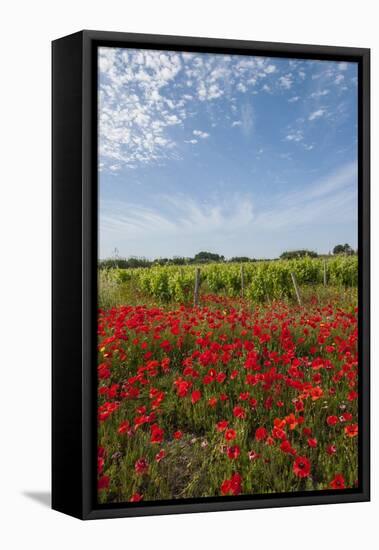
{"x": 74, "y": 260}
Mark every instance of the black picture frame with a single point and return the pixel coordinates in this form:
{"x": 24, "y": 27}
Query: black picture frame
{"x": 74, "y": 253}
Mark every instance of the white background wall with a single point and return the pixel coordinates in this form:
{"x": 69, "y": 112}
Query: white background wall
{"x": 26, "y": 31}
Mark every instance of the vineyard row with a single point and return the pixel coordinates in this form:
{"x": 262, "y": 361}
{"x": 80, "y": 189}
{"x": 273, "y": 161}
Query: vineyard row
{"x": 256, "y": 281}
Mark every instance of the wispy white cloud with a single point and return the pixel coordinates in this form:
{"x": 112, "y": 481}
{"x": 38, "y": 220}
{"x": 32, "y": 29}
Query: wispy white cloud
{"x": 181, "y": 218}
{"x": 317, "y": 114}
{"x": 200, "y": 134}
{"x": 241, "y": 87}
{"x": 286, "y": 81}
{"x": 319, "y": 93}
{"x": 270, "y": 69}
{"x": 145, "y": 94}
{"x": 148, "y": 99}
{"x": 134, "y": 115}
{"x": 332, "y": 197}
{"x": 295, "y": 135}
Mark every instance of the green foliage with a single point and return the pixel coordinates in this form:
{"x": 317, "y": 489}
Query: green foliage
{"x": 241, "y": 259}
{"x": 262, "y": 280}
{"x": 208, "y": 257}
{"x": 293, "y": 254}
{"x": 343, "y": 249}
{"x": 124, "y": 263}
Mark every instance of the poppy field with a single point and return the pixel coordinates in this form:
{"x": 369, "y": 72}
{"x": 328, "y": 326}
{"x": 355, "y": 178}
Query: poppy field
{"x": 227, "y": 397}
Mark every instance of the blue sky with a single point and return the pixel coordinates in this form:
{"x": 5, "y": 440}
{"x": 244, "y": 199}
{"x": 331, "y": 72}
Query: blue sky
{"x": 232, "y": 154}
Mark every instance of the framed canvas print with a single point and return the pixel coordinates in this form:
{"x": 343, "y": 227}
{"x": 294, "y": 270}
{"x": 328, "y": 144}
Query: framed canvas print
{"x": 210, "y": 275}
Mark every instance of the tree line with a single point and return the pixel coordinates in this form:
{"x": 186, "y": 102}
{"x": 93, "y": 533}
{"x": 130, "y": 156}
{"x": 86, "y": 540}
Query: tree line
{"x": 210, "y": 257}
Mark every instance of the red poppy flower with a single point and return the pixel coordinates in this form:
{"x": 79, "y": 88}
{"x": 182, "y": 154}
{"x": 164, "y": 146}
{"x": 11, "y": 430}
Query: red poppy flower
{"x": 268, "y": 403}
{"x": 100, "y": 451}
{"x": 338, "y": 482}
{"x": 332, "y": 420}
{"x": 100, "y": 464}
{"x": 124, "y": 427}
{"x": 178, "y": 435}
{"x": 104, "y": 371}
{"x": 301, "y": 467}
{"x": 156, "y": 434}
{"x": 103, "y": 483}
{"x": 331, "y": 449}
{"x": 244, "y": 396}
{"x": 230, "y": 435}
{"x": 136, "y": 497}
{"x": 221, "y": 377}
{"x": 260, "y": 434}
{"x": 141, "y": 466}
{"x": 195, "y": 396}
{"x": 346, "y": 417}
{"x": 139, "y": 420}
{"x": 352, "y": 395}
{"x": 232, "y": 486}
{"x": 279, "y": 423}
{"x": 312, "y": 442}
{"x": 233, "y": 452}
{"x": 351, "y": 430}
{"x": 239, "y": 412}
{"x": 253, "y": 455}
{"x": 286, "y": 447}
{"x": 278, "y": 433}
{"x": 226, "y": 487}
{"x": 316, "y": 393}
{"x": 182, "y": 386}
{"x": 159, "y": 456}
{"x": 166, "y": 346}
{"x": 165, "y": 363}
{"x": 299, "y": 405}
{"x": 222, "y": 425}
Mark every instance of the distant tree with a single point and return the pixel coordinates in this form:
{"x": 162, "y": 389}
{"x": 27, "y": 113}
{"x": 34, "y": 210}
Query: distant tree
{"x": 208, "y": 257}
{"x": 123, "y": 263}
{"x": 339, "y": 249}
{"x": 241, "y": 259}
{"x": 343, "y": 249}
{"x": 292, "y": 254}
{"x": 133, "y": 261}
{"x": 180, "y": 260}
{"x": 161, "y": 261}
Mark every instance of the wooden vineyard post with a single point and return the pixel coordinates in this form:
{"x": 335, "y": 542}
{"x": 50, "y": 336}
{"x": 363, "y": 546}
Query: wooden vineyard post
{"x": 242, "y": 281}
{"x": 197, "y": 286}
{"x": 324, "y": 272}
{"x": 296, "y": 288}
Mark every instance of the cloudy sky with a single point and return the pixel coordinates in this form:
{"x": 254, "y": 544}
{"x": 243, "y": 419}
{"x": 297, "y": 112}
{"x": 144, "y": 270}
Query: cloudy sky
{"x": 237, "y": 155}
